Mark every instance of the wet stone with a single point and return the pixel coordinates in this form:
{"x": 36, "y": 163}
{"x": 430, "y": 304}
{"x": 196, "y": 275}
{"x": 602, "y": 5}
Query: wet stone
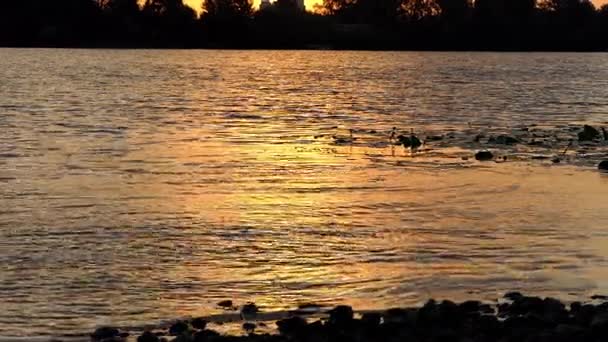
{"x": 148, "y": 337}
{"x": 178, "y": 328}
{"x": 603, "y": 165}
{"x": 341, "y": 314}
{"x": 506, "y": 140}
{"x": 249, "y": 309}
{"x": 588, "y": 134}
{"x": 227, "y": 304}
{"x": 371, "y": 319}
{"x": 104, "y": 333}
{"x": 292, "y": 325}
{"x": 484, "y": 156}
{"x": 198, "y": 323}
{"x": 249, "y": 327}
{"x": 205, "y": 336}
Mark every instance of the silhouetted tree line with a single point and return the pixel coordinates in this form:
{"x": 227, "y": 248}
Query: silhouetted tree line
{"x": 359, "y": 24}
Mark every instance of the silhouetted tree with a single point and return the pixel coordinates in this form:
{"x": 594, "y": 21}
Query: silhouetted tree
{"x": 227, "y": 20}
{"x": 419, "y": 9}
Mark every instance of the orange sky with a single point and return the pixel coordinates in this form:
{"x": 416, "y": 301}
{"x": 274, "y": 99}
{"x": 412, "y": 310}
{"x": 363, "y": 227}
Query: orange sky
{"x": 196, "y": 4}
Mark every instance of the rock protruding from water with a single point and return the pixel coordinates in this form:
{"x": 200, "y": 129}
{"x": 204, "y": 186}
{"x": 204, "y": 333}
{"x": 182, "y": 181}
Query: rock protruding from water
{"x": 178, "y": 328}
{"x": 588, "y": 134}
{"x": 518, "y": 318}
{"x": 603, "y": 165}
{"x": 484, "y": 156}
{"x": 148, "y": 337}
{"x": 104, "y": 333}
{"x": 199, "y": 323}
{"x": 341, "y": 315}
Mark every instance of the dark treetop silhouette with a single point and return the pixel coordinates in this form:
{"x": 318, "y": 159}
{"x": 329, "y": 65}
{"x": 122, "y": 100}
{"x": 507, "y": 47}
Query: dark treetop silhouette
{"x": 338, "y": 24}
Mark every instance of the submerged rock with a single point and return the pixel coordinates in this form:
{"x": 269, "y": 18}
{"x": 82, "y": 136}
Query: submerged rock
{"x": 104, "y": 333}
{"x": 588, "y": 134}
{"x": 484, "y": 155}
{"x": 603, "y": 165}
{"x": 506, "y": 140}
{"x": 226, "y": 304}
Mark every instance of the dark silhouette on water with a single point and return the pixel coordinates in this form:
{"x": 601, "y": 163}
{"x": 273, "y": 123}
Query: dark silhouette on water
{"x": 515, "y": 318}
{"x": 339, "y": 24}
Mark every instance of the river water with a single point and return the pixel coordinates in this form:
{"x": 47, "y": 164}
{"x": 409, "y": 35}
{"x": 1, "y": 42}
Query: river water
{"x": 138, "y": 186}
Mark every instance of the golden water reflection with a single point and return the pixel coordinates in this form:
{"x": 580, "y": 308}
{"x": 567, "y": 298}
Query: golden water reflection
{"x": 116, "y": 209}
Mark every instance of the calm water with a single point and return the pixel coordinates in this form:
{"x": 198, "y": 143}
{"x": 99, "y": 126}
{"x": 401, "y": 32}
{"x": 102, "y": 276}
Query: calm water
{"x": 137, "y": 186}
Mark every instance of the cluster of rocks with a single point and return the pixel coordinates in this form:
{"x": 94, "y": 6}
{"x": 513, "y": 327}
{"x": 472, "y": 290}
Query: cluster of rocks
{"x": 517, "y": 318}
{"x": 586, "y": 135}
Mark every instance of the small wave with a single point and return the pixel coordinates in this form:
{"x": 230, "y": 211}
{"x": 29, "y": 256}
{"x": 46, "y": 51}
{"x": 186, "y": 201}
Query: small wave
{"x": 239, "y": 116}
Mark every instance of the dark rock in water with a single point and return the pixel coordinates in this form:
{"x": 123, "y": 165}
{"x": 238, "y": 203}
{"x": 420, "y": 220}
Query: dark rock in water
{"x": 470, "y": 306}
{"x": 104, "y": 333}
{"x": 604, "y": 133}
{"x": 603, "y": 165}
{"x": 199, "y": 323}
{"x": 397, "y": 315}
{"x": 178, "y": 328}
{"x": 484, "y": 155}
{"x": 148, "y": 337}
{"x": 249, "y": 309}
{"x": 588, "y": 134}
{"x": 506, "y": 140}
{"x": 556, "y": 160}
{"x": 415, "y": 141}
{"x": 584, "y": 314}
{"x": 226, "y": 304}
{"x": 205, "y": 336}
{"x": 599, "y": 324}
{"x": 405, "y": 141}
{"x": 371, "y": 319}
{"x": 524, "y": 305}
{"x": 567, "y": 332}
{"x": 249, "y": 327}
{"x": 599, "y": 297}
{"x": 291, "y": 326}
{"x": 341, "y": 314}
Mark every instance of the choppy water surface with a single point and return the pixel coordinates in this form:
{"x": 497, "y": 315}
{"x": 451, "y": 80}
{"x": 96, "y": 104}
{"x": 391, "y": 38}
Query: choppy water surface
{"x": 137, "y": 186}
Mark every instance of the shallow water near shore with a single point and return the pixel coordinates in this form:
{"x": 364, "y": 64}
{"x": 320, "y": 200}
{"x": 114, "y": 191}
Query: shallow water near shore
{"x": 140, "y": 186}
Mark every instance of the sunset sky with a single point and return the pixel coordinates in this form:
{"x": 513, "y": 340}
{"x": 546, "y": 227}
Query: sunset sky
{"x": 196, "y": 4}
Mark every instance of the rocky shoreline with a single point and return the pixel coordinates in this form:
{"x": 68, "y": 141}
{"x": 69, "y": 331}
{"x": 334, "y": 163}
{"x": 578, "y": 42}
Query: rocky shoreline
{"x": 514, "y": 318}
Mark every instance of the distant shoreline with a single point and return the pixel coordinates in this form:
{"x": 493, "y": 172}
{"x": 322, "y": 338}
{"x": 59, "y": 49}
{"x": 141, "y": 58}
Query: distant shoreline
{"x": 300, "y": 48}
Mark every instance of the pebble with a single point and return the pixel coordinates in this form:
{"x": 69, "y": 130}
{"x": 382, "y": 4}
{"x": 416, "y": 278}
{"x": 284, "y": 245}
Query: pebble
{"x": 484, "y": 155}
